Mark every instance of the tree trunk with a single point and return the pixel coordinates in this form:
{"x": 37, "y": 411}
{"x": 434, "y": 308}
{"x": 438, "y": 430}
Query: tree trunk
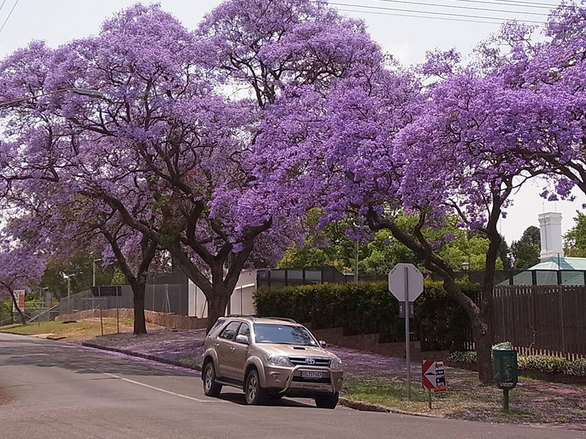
{"x": 480, "y": 328}
{"x": 138, "y": 289}
{"x": 483, "y": 342}
{"x": 476, "y": 313}
{"x": 216, "y": 308}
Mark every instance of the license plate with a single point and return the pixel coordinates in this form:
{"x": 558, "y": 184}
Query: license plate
{"x": 311, "y": 374}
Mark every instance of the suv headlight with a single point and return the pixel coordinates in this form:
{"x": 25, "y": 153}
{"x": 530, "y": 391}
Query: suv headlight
{"x": 336, "y": 364}
{"x": 278, "y": 360}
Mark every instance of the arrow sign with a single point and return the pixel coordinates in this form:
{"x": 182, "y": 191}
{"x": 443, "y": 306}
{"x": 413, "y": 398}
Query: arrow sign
{"x": 433, "y": 376}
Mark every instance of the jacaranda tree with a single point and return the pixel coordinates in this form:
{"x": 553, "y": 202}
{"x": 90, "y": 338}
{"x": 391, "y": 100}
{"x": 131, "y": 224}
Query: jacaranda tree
{"x": 139, "y": 119}
{"x": 382, "y": 145}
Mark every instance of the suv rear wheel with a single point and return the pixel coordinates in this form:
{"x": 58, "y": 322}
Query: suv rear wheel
{"x": 210, "y": 386}
{"x": 327, "y": 401}
{"x": 254, "y": 393}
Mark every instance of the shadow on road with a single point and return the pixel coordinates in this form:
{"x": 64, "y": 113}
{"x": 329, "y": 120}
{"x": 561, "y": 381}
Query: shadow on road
{"x": 238, "y": 398}
{"x": 79, "y": 359}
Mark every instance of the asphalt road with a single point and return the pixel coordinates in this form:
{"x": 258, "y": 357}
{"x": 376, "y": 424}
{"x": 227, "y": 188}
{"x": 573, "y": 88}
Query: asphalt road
{"x": 58, "y": 390}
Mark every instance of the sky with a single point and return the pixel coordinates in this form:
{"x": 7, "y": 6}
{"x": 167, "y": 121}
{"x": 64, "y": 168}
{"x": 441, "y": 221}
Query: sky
{"x": 406, "y": 29}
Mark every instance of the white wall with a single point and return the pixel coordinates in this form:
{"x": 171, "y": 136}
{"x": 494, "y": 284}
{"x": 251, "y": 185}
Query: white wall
{"x": 241, "y": 301}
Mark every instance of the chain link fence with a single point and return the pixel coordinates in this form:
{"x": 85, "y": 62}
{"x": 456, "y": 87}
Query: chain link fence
{"x": 165, "y": 298}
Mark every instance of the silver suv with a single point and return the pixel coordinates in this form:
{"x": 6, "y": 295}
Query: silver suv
{"x": 269, "y": 358}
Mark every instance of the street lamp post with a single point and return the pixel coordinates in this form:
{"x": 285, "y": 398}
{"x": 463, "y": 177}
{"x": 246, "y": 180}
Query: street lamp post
{"x": 68, "y": 277}
{"x": 94, "y": 270}
{"x": 466, "y": 269}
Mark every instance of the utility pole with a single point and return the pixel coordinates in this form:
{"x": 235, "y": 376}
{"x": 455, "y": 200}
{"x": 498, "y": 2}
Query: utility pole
{"x": 100, "y": 295}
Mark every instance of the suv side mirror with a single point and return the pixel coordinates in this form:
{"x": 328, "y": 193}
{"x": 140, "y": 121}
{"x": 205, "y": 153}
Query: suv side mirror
{"x": 242, "y": 338}
{"x": 322, "y": 343}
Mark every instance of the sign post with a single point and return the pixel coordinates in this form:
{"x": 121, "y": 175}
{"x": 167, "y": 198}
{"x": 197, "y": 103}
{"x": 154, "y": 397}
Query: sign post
{"x": 406, "y": 284}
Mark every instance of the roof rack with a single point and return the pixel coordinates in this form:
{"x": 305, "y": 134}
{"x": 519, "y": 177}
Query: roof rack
{"x": 280, "y": 318}
{"x": 242, "y": 315}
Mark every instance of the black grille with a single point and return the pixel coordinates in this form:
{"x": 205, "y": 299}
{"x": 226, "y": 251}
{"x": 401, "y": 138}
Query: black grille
{"x": 302, "y": 361}
{"x": 312, "y": 380}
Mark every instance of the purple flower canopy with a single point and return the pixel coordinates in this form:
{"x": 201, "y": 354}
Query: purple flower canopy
{"x": 210, "y": 145}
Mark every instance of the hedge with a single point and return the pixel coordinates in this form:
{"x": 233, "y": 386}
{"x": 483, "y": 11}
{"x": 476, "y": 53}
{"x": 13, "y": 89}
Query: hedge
{"x": 541, "y": 363}
{"x": 368, "y": 307}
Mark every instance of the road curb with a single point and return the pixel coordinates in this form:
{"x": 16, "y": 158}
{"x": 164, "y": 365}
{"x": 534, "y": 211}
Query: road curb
{"x": 368, "y": 407}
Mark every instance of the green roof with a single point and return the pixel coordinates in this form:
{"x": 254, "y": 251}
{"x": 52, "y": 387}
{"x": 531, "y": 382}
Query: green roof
{"x": 555, "y": 263}
{"x": 566, "y": 271}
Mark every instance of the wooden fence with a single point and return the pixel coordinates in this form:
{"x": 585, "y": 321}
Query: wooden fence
{"x": 541, "y": 319}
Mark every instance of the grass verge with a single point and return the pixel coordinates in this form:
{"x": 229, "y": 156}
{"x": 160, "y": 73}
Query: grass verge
{"x": 394, "y": 395}
{"x": 75, "y": 331}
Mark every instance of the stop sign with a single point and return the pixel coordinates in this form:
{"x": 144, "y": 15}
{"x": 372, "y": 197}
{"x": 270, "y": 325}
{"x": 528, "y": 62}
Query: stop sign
{"x": 405, "y": 282}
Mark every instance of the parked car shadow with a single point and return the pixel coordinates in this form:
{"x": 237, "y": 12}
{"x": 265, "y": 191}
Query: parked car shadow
{"x": 238, "y": 398}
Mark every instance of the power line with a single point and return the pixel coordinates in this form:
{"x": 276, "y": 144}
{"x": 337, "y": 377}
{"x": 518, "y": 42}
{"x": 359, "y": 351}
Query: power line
{"x": 9, "y": 15}
{"x": 445, "y": 14}
{"x": 390, "y": 14}
{"x": 521, "y": 3}
{"x": 504, "y": 11}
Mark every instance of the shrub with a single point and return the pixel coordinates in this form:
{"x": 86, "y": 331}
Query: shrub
{"x": 540, "y": 363}
{"x": 464, "y": 357}
{"x": 576, "y": 368}
{"x": 368, "y": 307}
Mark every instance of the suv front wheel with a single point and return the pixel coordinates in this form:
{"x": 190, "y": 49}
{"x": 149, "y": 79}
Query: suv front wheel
{"x": 327, "y": 401}
{"x": 254, "y": 393}
{"x": 210, "y": 386}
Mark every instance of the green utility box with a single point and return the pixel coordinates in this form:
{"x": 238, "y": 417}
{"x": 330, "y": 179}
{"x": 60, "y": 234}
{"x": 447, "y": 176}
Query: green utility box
{"x": 505, "y": 369}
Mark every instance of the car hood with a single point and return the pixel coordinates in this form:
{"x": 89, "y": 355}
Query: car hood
{"x": 292, "y": 350}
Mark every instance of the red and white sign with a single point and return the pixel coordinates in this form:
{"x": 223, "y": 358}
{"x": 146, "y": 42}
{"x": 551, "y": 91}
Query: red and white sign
{"x": 433, "y": 376}
{"x": 19, "y": 299}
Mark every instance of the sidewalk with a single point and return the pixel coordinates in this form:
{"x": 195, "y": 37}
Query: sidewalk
{"x": 533, "y": 402}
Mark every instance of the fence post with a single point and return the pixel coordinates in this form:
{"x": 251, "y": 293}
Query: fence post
{"x": 561, "y": 294}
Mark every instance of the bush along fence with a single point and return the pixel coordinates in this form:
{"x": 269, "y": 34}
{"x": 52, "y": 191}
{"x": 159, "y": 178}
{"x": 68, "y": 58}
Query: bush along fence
{"x": 537, "y": 366}
{"x": 369, "y": 308}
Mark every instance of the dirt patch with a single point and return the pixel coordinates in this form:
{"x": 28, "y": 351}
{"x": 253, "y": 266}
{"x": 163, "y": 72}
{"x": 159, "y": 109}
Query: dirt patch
{"x": 4, "y": 399}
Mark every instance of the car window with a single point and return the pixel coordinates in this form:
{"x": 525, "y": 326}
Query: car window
{"x": 283, "y": 334}
{"x": 229, "y": 331}
{"x": 244, "y": 330}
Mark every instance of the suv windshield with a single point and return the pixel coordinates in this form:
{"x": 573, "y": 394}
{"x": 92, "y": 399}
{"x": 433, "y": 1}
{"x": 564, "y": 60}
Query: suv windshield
{"x": 285, "y": 334}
